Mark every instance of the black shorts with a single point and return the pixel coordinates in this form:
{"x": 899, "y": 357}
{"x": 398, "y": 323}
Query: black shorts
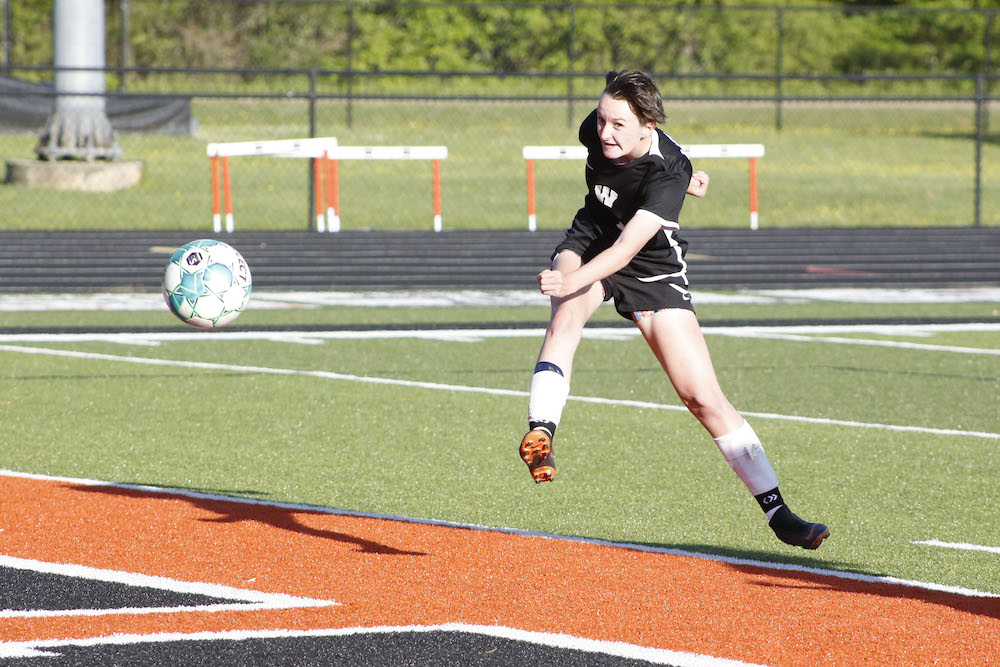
{"x": 631, "y": 294}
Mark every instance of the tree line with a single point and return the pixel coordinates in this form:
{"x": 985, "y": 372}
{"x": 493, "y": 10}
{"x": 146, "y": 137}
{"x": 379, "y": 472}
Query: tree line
{"x": 701, "y": 37}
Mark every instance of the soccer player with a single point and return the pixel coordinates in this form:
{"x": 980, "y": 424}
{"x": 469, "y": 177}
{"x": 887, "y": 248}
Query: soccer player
{"x": 623, "y": 245}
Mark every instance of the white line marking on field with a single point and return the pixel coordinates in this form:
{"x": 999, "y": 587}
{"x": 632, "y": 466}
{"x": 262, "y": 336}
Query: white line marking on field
{"x": 244, "y": 600}
{"x": 886, "y": 294}
{"x": 153, "y": 301}
{"x": 205, "y": 365}
{"x": 788, "y": 567}
{"x": 618, "y": 649}
{"x": 797, "y": 333}
{"x": 958, "y": 545}
{"x": 902, "y": 345}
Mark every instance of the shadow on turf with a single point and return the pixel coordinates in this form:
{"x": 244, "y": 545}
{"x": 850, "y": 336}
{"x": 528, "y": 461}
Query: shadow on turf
{"x": 283, "y": 518}
{"x": 981, "y": 606}
{"x": 234, "y": 511}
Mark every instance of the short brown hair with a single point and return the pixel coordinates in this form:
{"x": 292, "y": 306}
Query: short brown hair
{"x": 637, "y": 88}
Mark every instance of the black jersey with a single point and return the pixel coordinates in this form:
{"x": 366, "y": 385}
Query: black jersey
{"x": 656, "y": 182}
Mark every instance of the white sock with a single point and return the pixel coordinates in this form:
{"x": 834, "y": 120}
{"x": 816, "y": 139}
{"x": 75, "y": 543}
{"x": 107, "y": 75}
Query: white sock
{"x": 549, "y": 391}
{"x": 745, "y": 455}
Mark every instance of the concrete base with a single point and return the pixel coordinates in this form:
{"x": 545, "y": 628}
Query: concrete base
{"x": 94, "y": 176}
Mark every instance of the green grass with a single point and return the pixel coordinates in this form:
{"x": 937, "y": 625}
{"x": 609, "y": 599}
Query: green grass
{"x": 639, "y": 475}
{"x": 831, "y": 165}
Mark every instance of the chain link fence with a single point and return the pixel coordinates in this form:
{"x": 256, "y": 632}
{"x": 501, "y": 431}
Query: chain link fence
{"x": 911, "y": 148}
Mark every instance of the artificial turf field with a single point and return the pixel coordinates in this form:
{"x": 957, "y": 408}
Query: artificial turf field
{"x": 351, "y": 494}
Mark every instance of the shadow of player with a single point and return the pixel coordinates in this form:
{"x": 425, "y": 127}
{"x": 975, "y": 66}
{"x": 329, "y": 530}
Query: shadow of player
{"x": 238, "y": 510}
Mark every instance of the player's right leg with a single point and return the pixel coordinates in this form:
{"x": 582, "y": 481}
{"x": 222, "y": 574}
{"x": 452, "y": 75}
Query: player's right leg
{"x": 550, "y": 380}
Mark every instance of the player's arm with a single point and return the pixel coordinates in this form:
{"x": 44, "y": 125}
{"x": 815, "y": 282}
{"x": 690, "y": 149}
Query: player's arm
{"x": 660, "y": 210}
{"x": 637, "y": 232}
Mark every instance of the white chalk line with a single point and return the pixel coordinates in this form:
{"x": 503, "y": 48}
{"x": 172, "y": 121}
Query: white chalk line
{"x": 41, "y": 649}
{"x": 962, "y": 546}
{"x": 330, "y": 375}
{"x": 796, "y": 333}
{"x": 244, "y": 600}
{"x": 153, "y": 301}
{"x": 900, "y": 345}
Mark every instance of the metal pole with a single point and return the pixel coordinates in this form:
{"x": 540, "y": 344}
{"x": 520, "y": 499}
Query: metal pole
{"x": 569, "y": 66}
{"x": 987, "y": 65}
{"x": 350, "y": 65}
{"x": 79, "y": 126}
{"x": 125, "y": 57}
{"x": 6, "y": 36}
{"x": 313, "y": 76}
{"x": 980, "y": 113}
{"x": 311, "y": 162}
{"x": 984, "y": 89}
{"x": 779, "y": 57}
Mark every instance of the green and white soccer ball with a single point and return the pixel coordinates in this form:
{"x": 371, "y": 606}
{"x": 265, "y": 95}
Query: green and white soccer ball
{"x": 207, "y": 283}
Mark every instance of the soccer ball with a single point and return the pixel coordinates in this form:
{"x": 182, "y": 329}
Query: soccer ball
{"x": 206, "y": 283}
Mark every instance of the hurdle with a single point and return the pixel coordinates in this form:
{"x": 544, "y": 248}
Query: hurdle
{"x": 326, "y": 155}
{"x": 694, "y": 151}
{"x": 219, "y": 154}
{"x": 334, "y": 155}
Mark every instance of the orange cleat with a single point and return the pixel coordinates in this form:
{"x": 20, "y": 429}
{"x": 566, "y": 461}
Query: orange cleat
{"x": 536, "y": 450}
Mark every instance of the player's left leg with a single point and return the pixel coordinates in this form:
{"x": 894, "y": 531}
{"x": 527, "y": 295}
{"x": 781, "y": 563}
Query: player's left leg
{"x": 675, "y": 337}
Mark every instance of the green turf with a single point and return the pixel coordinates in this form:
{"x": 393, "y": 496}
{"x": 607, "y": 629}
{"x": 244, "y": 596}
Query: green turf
{"x": 635, "y": 474}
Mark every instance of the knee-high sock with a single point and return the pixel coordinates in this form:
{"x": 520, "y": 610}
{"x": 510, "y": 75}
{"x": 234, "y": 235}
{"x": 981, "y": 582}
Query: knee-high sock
{"x": 745, "y": 455}
{"x": 549, "y": 391}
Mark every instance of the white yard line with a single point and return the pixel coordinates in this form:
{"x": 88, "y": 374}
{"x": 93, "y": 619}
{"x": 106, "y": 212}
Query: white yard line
{"x": 113, "y": 301}
{"x": 48, "y": 648}
{"x": 750, "y": 332}
{"x": 958, "y": 545}
{"x": 330, "y": 375}
{"x": 797, "y": 333}
{"x": 241, "y": 599}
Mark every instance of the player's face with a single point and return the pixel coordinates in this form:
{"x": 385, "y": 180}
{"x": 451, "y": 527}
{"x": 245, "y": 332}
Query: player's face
{"x": 623, "y": 137}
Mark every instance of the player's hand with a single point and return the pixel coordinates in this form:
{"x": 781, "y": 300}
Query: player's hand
{"x": 699, "y": 184}
{"x": 552, "y": 283}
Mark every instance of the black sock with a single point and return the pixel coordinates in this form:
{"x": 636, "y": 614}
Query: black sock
{"x": 548, "y": 427}
{"x": 770, "y": 500}
{"x": 785, "y": 519}
{"x": 547, "y": 366}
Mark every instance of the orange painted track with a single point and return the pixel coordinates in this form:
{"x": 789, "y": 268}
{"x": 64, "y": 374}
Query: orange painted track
{"x": 386, "y": 572}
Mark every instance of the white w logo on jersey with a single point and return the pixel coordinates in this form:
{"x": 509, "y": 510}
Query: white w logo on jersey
{"x": 605, "y": 195}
